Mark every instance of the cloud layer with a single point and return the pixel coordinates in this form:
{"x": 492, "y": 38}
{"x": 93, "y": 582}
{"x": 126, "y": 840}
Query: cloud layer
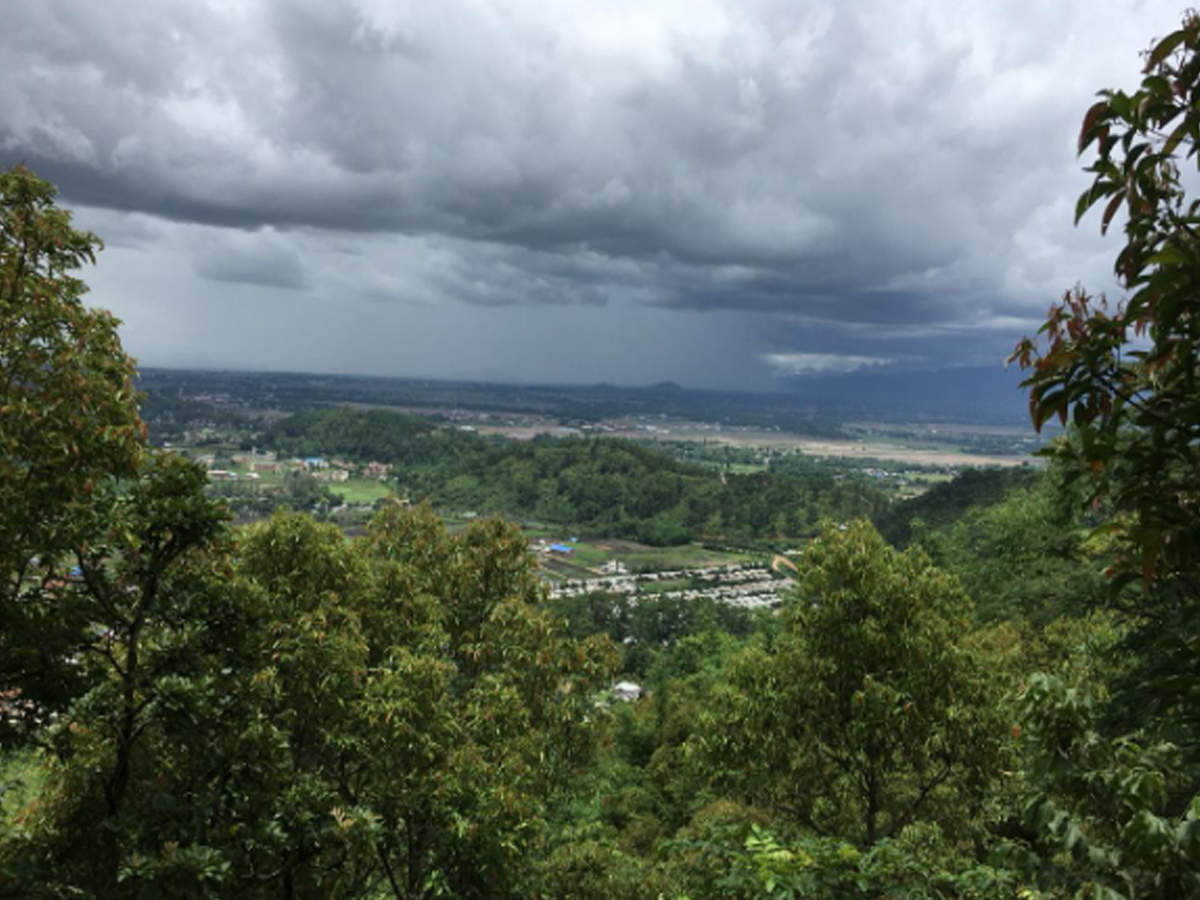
{"x": 870, "y": 181}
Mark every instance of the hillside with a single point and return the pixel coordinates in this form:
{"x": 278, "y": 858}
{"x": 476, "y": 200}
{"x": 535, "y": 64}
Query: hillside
{"x": 613, "y": 487}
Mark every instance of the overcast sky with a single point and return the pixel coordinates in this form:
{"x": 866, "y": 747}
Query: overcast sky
{"x": 719, "y": 192}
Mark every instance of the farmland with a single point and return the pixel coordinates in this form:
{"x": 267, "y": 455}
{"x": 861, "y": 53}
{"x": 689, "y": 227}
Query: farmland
{"x": 589, "y": 554}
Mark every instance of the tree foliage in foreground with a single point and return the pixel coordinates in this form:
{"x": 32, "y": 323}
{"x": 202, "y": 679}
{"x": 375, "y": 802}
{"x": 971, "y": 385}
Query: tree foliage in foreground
{"x": 1105, "y": 813}
{"x": 304, "y": 716}
{"x": 1114, "y": 783}
{"x": 869, "y": 712}
{"x": 271, "y": 712}
{"x": 68, "y": 425}
{"x": 1126, "y": 377}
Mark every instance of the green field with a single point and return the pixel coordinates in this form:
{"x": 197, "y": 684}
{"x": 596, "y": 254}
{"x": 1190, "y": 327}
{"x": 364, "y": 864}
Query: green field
{"x": 361, "y": 491}
{"x": 559, "y": 569}
{"x": 641, "y": 558}
{"x": 270, "y": 479}
{"x": 661, "y": 587}
{"x": 592, "y": 552}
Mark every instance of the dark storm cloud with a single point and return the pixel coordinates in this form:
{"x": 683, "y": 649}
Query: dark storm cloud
{"x": 261, "y": 258}
{"x": 883, "y": 181}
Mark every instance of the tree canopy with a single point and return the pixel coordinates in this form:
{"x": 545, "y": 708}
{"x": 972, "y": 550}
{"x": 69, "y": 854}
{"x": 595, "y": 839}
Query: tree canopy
{"x": 1125, "y": 377}
{"x": 1115, "y": 776}
{"x": 867, "y": 713}
{"x": 68, "y": 427}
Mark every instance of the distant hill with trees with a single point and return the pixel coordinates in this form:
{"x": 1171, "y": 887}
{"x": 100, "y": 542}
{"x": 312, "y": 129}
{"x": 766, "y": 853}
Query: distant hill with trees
{"x": 612, "y": 487}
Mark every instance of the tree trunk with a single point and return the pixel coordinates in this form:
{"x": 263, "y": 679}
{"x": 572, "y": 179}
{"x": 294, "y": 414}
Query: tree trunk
{"x": 118, "y": 782}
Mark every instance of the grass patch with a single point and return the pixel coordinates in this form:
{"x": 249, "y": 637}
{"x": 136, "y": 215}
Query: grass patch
{"x": 361, "y": 491}
{"x": 670, "y": 584}
{"x": 270, "y": 479}
{"x": 561, "y": 570}
{"x": 589, "y": 555}
{"x": 594, "y": 552}
{"x": 685, "y": 556}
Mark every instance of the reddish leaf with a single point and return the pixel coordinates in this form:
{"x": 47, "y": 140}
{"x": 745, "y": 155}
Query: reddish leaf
{"x": 1089, "y": 120}
{"x": 1163, "y": 48}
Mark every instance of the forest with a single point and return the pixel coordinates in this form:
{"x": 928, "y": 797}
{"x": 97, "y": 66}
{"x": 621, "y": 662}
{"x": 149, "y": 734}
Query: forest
{"x": 612, "y": 487}
{"x": 988, "y": 691}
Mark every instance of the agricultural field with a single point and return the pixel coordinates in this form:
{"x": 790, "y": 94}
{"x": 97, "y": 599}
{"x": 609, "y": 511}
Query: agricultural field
{"x": 953, "y": 447}
{"x": 361, "y": 491}
{"x": 590, "y": 553}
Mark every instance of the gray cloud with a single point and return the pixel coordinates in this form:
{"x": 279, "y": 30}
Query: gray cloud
{"x": 877, "y": 180}
{"x": 262, "y": 258}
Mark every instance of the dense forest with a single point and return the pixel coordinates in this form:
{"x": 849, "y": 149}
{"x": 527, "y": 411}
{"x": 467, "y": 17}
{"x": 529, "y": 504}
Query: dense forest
{"x": 997, "y": 699}
{"x": 612, "y": 487}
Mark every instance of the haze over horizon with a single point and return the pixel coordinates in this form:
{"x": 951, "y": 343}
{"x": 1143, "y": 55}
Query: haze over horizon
{"x": 720, "y": 194}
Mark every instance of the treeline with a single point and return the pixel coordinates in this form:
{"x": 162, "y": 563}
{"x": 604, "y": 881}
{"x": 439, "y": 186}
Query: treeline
{"x": 943, "y": 503}
{"x": 1020, "y": 540}
{"x": 564, "y": 404}
{"x": 169, "y": 417}
{"x": 364, "y": 435}
{"x": 612, "y": 487}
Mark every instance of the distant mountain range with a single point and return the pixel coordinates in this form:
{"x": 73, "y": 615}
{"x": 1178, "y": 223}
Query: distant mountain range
{"x": 814, "y": 404}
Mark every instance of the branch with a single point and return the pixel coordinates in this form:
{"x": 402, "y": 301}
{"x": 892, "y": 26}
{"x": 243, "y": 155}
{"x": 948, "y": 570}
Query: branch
{"x": 106, "y": 652}
{"x": 921, "y": 797}
{"x": 387, "y": 869}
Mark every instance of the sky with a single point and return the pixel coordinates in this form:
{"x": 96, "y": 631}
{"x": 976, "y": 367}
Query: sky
{"x": 723, "y": 193}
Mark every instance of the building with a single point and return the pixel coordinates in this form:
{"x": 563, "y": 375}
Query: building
{"x": 375, "y": 469}
{"x": 627, "y": 691}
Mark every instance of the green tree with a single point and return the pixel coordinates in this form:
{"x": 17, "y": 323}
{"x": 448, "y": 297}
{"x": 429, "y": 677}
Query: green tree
{"x": 1126, "y": 378}
{"x": 68, "y": 422}
{"x": 1037, "y": 531}
{"x": 748, "y": 860}
{"x": 277, "y": 712}
{"x": 1113, "y": 783}
{"x": 1103, "y": 814}
{"x": 309, "y": 666}
{"x": 480, "y": 711}
{"x": 133, "y": 608}
{"x": 871, "y": 711}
